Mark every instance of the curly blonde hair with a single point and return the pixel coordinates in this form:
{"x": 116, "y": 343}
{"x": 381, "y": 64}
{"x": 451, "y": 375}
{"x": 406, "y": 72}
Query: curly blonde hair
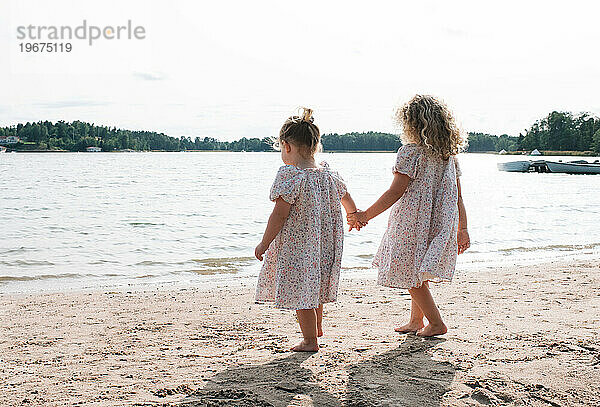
{"x": 428, "y": 122}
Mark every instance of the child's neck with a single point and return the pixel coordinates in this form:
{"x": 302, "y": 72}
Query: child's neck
{"x": 303, "y": 162}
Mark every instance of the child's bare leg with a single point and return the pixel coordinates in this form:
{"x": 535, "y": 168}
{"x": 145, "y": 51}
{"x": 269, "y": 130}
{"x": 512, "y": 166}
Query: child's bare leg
{"x": 308, "y": 325}
{"x": 320, "y": 320}
{"x": 416, "y": 319}
{"x": 422, "y": 296}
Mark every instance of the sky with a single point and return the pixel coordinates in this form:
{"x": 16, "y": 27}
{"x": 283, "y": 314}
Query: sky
{"x": 232, "y": 69}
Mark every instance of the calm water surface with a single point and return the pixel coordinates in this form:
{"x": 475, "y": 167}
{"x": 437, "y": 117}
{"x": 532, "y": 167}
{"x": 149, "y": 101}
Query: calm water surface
{"x": 85, "y": 220}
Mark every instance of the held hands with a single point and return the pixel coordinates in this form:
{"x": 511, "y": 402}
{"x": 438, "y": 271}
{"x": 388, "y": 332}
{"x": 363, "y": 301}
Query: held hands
{"x": 357, "y": 220}
{"x": 464, "y": 242}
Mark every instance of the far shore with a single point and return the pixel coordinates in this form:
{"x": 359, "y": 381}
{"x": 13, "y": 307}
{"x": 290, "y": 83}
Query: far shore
{"x": 518, "y": 335}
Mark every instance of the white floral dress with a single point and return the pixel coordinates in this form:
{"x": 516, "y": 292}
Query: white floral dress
{"x": 420, "y": 243}
{"x": 302, "y": 264}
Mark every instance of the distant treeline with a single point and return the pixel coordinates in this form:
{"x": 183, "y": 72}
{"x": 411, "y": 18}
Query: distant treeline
{"x": 370, "y": 141}
{"x": 559, "y": 131}
{"x": 77, "y": 136}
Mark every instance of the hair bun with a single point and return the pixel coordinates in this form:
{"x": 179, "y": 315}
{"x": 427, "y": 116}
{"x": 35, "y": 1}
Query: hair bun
{"x": 300, "y": 130}
{"x": 307, "y": 115}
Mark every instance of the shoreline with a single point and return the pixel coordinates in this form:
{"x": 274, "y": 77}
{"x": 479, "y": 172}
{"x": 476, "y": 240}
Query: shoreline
{"x": 245, "y": 276}
{"x": 508, "y": 153}
{"x": 517, "y": 334}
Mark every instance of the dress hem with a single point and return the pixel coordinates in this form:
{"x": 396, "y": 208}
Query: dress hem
{"x": 421, "y": 277}
{"x": 408, "y": 287}
{"x": 264, "y": 301}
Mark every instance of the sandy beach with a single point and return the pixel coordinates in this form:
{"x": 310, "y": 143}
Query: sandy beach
{"x": 517, "y": 336}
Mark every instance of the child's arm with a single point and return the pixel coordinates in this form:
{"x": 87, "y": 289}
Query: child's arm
{"x": 389, "y": 197}
{"x": 276, "y": 221}
{"x": 464, "y": 242}
{"x": 350, "y": 208}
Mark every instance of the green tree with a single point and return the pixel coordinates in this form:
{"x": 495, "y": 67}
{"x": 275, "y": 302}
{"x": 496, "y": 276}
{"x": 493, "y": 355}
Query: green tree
{"x": 595, "y": 146}
{"x": 482, "y": 142}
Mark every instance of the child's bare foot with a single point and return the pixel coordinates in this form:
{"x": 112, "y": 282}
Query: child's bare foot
{"x": 306, "y": 346}
{"x": 410, "y": 327}
{"x": 433, "y": 330}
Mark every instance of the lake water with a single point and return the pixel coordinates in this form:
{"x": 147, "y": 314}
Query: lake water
{"x": 85, "y": 220}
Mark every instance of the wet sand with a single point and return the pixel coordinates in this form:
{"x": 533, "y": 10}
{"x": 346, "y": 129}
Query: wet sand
{"x": 517, "y": 336}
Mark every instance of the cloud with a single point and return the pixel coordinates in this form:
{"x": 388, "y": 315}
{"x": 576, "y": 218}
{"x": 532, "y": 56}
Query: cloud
{"x": 61, "y": 104}
{"x": 150, "y": 76}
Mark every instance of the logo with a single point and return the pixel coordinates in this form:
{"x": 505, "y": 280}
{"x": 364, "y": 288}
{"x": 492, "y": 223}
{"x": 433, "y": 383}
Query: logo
{"x": 84, "y": 32}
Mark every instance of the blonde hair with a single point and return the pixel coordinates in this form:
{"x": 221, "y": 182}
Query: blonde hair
{"x": 301, "y": 131}
{"x": 427, "y": 121}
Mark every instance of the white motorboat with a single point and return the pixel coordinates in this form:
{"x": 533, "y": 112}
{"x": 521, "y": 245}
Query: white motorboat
{"x": 543, "y": 166}
{"x": 574, "y": 167}
{"x": 515, "y": 166}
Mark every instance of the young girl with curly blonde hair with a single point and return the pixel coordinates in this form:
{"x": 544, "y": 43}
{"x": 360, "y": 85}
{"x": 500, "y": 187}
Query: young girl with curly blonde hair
{"x": 427, "y": 227}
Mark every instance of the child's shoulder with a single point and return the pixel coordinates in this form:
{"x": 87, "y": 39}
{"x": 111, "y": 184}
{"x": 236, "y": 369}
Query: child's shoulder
{"x": 287, "y": 183}
{"x": 409, "y": 149}
{"x": 337, "y": 181}
{"x": 332, "y": 172}
{"x": 407, "y": 160}
{"x": 288, "y": 168}
{"x": 410, "y": 152}
{"x": 291, "y": 172}
{"x": 287, "y": 172}
{"x": 324, "y": 165}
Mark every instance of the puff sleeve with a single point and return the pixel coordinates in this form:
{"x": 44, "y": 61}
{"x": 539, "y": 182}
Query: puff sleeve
{"x": 407, "y": 161}
{"x": 338, "y": 181}
{"x": 340, "y": 184}
{"x": 287, "y": 184}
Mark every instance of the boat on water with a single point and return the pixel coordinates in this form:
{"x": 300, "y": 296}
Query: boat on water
{"x": 2, "y": 149}
{"x": 515, "y": 166}
{"x": 544, "y": 166}
{"x": 574, "y": 167}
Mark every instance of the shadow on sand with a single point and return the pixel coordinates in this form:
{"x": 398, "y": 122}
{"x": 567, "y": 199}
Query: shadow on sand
{"x": 405, "y": 376}
{"x": 281, "y": 382}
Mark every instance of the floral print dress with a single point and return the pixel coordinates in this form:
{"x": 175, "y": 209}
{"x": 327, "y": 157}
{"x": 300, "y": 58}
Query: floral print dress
{"x": 420, "y": 243}
{"x": 302, "y": 264}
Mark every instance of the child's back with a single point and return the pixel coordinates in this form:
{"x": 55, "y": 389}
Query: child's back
{"x": 420, "y": 241}
{"x": 302, "y": 266}
{"x": 304, "y": 237}
{"x": 428, "y": 220}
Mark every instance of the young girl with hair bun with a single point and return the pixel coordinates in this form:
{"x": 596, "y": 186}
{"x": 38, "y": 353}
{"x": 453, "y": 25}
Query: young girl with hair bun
{"x": 304, "y": 236}
{"x": 427, "y": 227}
